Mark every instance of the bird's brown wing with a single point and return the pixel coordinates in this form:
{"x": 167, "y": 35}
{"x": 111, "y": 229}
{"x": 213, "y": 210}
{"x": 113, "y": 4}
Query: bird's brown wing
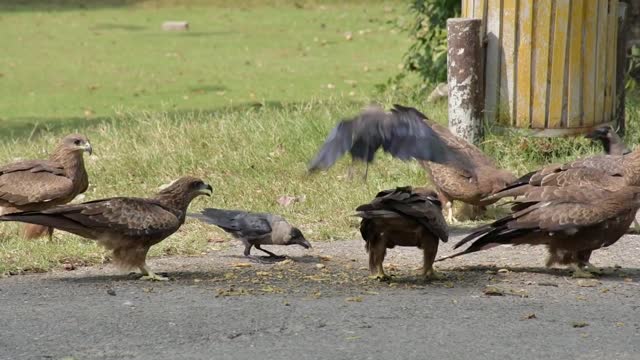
{"x": 557, "y": 208}
{"x": 124, "y": 217}
{"x": 33, "y": 183}
{"x": 580, "y": 177}
{"x": 453, "y": 180}
{"x": 464, "y": 148}
{"x": 33, "y": 166}
{"x": 405, "y": 202}
{"x": 551, "y": 209}
{"x": 611, "y": 164}
{"x": 605, "y": 171}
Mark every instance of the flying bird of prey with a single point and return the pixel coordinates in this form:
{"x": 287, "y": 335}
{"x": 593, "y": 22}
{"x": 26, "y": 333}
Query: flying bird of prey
{"x": 254, "y": 229}
{"x": 128, "y": 226}
{"x": 611, "y": 142}
{"x": 402, "y": 217}
{"x": 33, "y": 185}
{"x": 571, "y": 221}
{"x": 402, "y": 132}
{"x": 459, "y": 170}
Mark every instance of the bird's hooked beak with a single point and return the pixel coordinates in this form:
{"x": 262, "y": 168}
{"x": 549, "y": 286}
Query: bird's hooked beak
{"x": 88, "y": 148}
{"x": 206, "y": 189}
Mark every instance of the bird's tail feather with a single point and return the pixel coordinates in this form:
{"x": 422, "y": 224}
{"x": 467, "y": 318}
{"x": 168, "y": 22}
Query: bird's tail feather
{"x": 218, "y": 217}
{"x": 469, "y": 250}
{"x": 45, "y": 220}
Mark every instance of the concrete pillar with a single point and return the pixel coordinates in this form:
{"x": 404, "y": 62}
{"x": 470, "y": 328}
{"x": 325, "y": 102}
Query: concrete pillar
{"x": 464, "y": 75}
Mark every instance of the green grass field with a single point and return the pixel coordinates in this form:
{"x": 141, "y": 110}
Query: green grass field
{"x": 71, "y": 65}
{"x": 243, "y": 100}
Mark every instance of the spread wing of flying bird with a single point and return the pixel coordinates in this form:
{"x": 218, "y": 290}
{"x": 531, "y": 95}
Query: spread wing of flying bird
{"x": 402, "y": 132}
{"x": 459, "y": 170}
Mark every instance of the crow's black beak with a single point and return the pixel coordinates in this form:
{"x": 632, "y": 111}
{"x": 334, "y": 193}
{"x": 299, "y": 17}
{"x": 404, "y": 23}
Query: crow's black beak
{"x": 305, "y": 244}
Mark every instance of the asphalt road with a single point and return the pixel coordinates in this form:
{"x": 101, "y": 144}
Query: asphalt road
{"x": 320, "y": 305}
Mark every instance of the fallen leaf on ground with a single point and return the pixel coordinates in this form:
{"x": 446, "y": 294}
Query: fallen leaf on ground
{"x": 493, "y": 291}
{"x": 284, "y": 262}
{"x": 588, "y": 282}
{"x": 241, "y": 265}
{"x": 354, "y": 299}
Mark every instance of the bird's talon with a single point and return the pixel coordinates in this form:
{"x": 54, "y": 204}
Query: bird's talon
{"x": 433, "y": 275}
{"x": 582, "y": 274}
{"x": 154, "y": 277}
{"x": 380, "y": 277}
{"x": 593, "y": 269}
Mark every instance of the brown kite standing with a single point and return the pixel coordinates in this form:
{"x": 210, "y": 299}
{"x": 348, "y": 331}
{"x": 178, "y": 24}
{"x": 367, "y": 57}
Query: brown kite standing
{"x": 402, "y": 217}
{"x": 33, "y": 185}
{"x": 127, "y": 226}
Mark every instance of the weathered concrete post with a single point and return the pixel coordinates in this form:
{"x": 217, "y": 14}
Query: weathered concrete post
{"x": 464, "y": 75}
{"x": 621, "y": 68}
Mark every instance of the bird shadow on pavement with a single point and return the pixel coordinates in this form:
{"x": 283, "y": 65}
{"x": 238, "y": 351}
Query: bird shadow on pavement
{"x": 609, "y": 273}
{"x": 265, "y": 260}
